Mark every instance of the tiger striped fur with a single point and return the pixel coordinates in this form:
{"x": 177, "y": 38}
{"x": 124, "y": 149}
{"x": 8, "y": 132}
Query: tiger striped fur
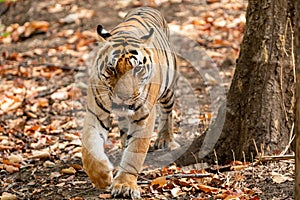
{"x": 134, "y": 68}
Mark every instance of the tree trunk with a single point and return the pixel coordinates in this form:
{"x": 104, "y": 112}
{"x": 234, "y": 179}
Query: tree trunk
{"x": 260, "y": 102}
{"x": 297, "y": 121}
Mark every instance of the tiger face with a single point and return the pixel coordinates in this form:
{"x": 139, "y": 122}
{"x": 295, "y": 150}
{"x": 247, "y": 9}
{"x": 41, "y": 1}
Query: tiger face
{"x": 126, "y": 72}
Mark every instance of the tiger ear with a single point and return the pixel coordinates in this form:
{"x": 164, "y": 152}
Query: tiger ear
{"x": 148, "y": 38}
{"x": 102, "y": 33}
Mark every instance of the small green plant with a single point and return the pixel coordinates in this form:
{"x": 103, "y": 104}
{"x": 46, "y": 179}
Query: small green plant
{"x": 2, "y": 1}
{"x": 4, "y": 34}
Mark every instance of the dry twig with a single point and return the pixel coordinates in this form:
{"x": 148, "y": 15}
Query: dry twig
{"x": 178, "y": 176}
{"x": 275, "y": 158}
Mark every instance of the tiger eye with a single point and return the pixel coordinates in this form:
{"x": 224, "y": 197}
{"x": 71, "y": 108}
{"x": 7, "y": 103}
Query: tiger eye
{"x": 138, "y": 69}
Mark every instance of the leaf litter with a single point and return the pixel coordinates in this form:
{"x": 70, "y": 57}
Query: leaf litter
{"x": 43, "y": 70}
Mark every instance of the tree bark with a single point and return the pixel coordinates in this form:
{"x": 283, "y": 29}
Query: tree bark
{"x": 260, "y": 102}
{"x": 297, "y": 120}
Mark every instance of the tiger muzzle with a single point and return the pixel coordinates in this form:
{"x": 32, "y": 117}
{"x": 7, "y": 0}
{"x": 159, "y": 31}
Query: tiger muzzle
{"x": 125, "y": 88}
{"x": 124, "y": 94}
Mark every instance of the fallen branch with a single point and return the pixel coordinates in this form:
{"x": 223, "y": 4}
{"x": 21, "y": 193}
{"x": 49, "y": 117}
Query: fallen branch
{"x": 188, "y": 176}
{"x": 169, "y": 177}
{"x": 275, "y": 158}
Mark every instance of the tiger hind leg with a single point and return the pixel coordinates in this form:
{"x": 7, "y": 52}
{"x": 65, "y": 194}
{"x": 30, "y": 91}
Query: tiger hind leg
{"x": 165, "y": 138}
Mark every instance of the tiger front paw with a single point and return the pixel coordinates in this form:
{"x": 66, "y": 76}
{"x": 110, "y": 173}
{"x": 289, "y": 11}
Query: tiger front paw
{"x": 125, "y": 185}
{"x": 99, "y": 171}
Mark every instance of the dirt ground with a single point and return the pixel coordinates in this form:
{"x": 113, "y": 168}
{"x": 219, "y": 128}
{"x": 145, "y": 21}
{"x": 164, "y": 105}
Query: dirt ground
{"x": 56, "y": 126}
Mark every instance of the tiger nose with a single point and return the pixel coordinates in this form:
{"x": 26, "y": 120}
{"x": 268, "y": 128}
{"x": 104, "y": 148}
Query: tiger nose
{"x": 123, "y": 97}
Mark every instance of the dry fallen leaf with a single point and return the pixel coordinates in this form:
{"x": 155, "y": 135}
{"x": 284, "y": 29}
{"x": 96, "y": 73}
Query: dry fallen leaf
{"x": 236, "y": 163}
{"x": 8, "y": 196}
{"x": 76, "y": 198}
{"x": 40, "y": 154}
{"x": 35, "y": 26}
{"x": 85, "y": 13}
{"x": 54, "y": 175}
{"x": 238, "y": 167}
{"x": 105, "y": 196}
{"x": 279, "y": 178}
{"x": 60, "y": 184}
{"x": 71, "y": 18}
{"x": 2, "y": 137}
{"x": 232, "y": 198}
{"x": 77, "y": 166}
{"x": 207, "y": 189}
{"x": 61, "y": 95}
{"x": 48, "y": 164}
{"x": 79, "y": 182}
{"x": 9, "y": 103}
{"x": 55, "y": 8}
{"x": 69, "y": 170}
{"x": 175, "y": 191}
{"x": 11, "y": 169}
{"x": 5, "y": 147}
{"x": 161, "y": 181}
{"x": 13, "y": 158}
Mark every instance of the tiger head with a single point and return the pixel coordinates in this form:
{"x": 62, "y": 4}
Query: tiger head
{"x": 126, "y": 69}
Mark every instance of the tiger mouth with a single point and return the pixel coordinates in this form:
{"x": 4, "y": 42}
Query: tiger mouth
{"x": 122, "y": 106}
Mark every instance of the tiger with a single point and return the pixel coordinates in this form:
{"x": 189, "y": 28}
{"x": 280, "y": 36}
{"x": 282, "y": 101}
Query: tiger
{"x": 134, "y": 69}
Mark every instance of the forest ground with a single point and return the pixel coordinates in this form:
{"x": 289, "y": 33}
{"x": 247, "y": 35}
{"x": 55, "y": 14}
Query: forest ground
{"x": 45, "y": 51}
